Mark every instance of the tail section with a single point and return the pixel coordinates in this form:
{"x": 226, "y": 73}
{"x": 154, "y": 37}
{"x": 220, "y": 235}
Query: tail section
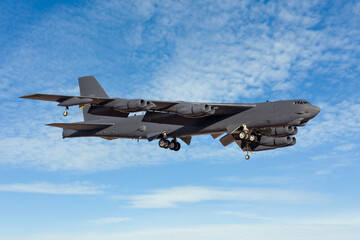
{"x": 90, "y": 87}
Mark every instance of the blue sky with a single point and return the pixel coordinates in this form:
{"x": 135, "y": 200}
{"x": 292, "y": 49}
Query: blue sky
{"x": 222, "y": 51}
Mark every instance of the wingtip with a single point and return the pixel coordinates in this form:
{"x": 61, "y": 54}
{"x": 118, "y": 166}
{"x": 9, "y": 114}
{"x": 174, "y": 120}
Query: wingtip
{"x": 28, "y": 95}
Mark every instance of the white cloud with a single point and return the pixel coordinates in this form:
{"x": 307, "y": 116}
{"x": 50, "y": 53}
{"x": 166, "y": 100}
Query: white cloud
{"x": 245, "y": 215}
{"x": 215, "y": 232}
{"x": 108, "y": 220}
{"x": 222, "y": 52}
{"x": 77, "y": 188}
{"x": 336, "y": 123}
{"x": 261, "y": 180}
{"x": 173, "y": 197}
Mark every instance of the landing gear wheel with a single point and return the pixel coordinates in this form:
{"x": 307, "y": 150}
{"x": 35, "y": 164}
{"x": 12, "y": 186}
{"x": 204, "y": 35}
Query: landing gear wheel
{"x": 177, "y": 147}
{"x": 167, "y": 143}
{"x": 252, "y": 138}
{"x": 242, "y": 135}
{"x": 66, "y": 112}
{"x": 247, "y": 156}
{"x": 172, "y": 145}
{"x": 162, "y": 143}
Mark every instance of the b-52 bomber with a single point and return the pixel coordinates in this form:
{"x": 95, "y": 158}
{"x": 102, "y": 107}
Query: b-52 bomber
{"x": 253, "y": 127}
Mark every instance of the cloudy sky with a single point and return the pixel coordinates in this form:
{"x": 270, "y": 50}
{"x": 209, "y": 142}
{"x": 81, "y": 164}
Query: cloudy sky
{"x": 222, "y": 51}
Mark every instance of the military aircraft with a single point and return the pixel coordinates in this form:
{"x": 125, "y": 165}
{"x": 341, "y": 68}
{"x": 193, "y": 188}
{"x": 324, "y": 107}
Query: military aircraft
{"x": 252, "y": 126}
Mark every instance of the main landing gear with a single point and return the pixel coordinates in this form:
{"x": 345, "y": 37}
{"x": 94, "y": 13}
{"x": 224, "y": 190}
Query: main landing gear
{"x": 172, "y": 145}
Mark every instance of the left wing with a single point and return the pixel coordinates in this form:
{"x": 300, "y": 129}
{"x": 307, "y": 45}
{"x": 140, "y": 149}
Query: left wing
{"x": 106, "y": 106}
{"x": 74, "y": 100}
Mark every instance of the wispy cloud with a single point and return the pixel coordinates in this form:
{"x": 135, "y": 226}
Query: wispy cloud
{"x": 261, "y": 180}
{"x": 174, "y": 197}
{"x": 214, "y": 232}
{"x": 245, "y": 215}
{"x": 77, "y": 188}
{"x": 334, "y": 119}
{"x": 231, "y": 51}
{"x": 108, "y": 220}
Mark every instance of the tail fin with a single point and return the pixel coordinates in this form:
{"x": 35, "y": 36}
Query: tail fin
{"x": 90, "y": 87}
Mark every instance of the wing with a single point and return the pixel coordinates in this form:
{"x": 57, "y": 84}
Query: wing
{"x": 82, "y": 126}
{"x": 167, "y": 112}
{"x": 190, "y": 113}
{"x": 220, "y": 108}
{"x": 77, "y": 100}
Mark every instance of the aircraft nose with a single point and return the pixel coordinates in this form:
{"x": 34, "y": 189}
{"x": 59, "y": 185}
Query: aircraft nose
{"x": 315, "y": 110}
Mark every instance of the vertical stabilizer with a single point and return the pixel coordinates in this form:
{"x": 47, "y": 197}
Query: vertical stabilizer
{"x": 90, "y": 87}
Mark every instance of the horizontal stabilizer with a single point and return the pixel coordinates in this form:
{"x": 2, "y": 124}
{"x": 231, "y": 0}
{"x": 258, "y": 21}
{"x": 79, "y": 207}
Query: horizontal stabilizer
{"x": 227, "y": 139}
{"x": 81, "y": 126}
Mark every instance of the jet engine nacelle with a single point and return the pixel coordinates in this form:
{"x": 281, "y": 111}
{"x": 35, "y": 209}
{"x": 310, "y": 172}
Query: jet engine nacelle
{"x": 277, "y": 142}
{"x": 283, "y": 131}
{"x": 133, "y": 105}
{"x": 195, "y": 110}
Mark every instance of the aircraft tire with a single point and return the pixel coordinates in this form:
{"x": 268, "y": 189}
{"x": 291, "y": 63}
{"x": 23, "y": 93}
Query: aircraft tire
{"x": 166, "y": 145}
{"x": 247, "y": 156}
{"x": 177, "y": 147}
{"x": 252, "y": 138}
{"x": 242, "y": 135}
{"x": 162, "y": 143}
{"x": 172, "y": 145}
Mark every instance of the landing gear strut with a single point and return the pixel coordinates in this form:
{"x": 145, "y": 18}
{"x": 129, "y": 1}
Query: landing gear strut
{"x": 248, "y": 137}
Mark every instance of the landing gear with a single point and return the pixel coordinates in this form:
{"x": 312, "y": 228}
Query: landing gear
{"x": 252, "y": 137}
{"x": 173, "y": 145}
{"x": 66, "y": 112}
{"x": 248, "y": 136}
{"x": 163, "y": 143}
{"x": 167, "y": 143}
{"x": 247, "y": 156}
{"x": 242, "y": 135}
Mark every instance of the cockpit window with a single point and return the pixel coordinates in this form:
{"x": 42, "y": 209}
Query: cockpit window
{"x": 301, "y": 102}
